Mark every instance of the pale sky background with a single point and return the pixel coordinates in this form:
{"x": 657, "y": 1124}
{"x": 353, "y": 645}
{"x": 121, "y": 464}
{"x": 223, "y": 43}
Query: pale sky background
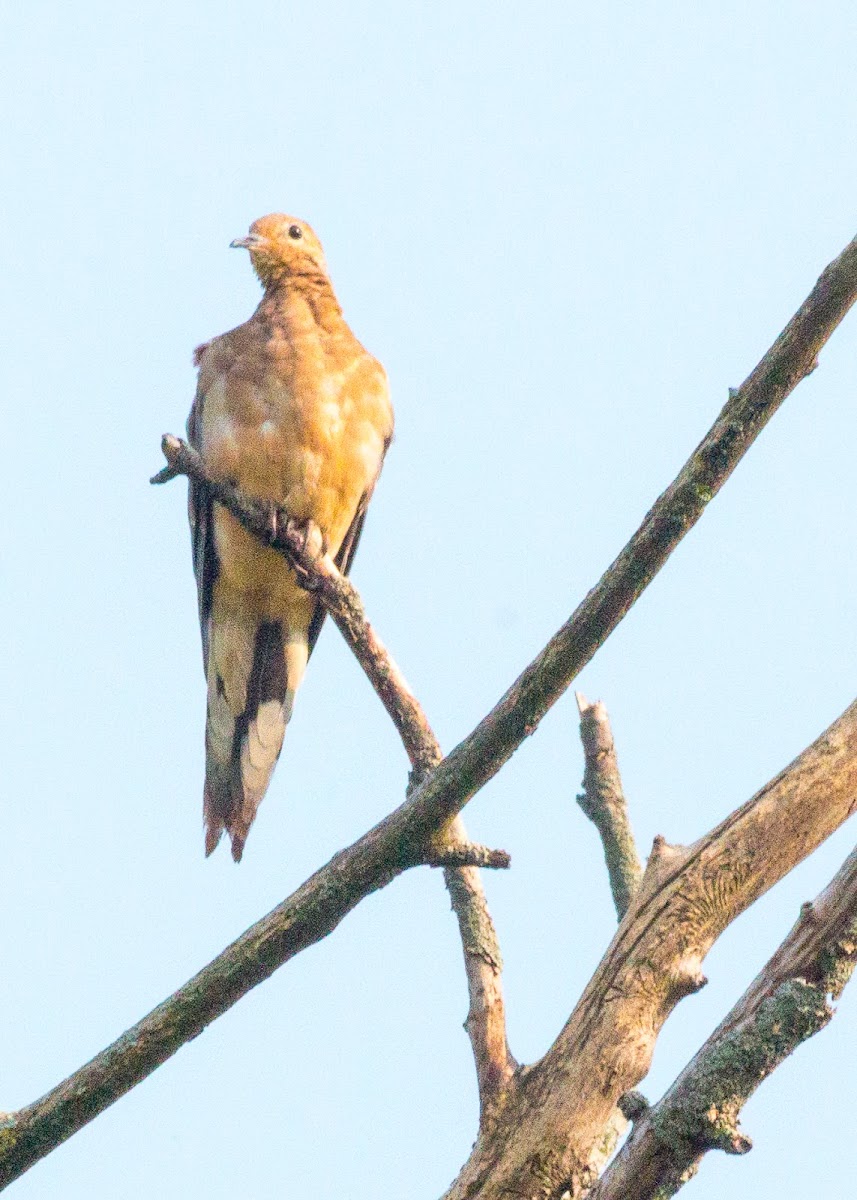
{"x": 566, "y": 229}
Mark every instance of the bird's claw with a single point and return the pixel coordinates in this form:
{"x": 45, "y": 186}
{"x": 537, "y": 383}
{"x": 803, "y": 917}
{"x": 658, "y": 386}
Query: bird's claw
{"x": 306, "y": 538}
{"x": 308, "y": 541}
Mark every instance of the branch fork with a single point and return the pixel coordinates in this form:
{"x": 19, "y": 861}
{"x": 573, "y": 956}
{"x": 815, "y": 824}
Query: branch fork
{"x": 786, "y": 1003}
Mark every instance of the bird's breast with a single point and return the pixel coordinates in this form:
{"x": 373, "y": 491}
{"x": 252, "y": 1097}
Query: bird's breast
{"x": 311, "y": 443}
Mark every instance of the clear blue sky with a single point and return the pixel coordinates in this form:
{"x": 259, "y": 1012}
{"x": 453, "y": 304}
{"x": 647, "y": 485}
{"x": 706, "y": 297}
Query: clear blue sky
{"x": 566, "y": 229}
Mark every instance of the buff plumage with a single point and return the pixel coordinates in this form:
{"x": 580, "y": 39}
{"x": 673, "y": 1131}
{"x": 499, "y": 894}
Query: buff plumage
{"x": 291, "y": 408}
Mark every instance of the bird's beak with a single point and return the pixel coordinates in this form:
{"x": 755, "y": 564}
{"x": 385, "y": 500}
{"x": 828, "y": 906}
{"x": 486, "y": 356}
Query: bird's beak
{"x": 251, "y": 242}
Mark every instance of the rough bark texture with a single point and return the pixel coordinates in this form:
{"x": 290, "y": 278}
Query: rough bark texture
{"x": 548, "y": 1138}
{"x": 483, "y": 963}
{"x": 785, "y": 1004}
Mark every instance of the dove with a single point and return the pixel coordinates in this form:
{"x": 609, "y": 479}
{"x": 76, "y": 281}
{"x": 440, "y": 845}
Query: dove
{"x": 295, "y": 412}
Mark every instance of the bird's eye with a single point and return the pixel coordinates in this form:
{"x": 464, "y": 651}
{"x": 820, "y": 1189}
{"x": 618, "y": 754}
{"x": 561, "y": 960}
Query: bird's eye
{"x": 295, "y": 232}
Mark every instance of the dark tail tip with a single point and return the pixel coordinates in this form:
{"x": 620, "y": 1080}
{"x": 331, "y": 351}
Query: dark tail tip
{"x": 237, "y": 847}
{"x": 212, "y": 836}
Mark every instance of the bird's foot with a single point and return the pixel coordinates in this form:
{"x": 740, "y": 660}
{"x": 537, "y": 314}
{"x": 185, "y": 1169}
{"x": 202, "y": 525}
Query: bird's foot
{"x": 306, "y": 538}
{"x": 307, "y": 542}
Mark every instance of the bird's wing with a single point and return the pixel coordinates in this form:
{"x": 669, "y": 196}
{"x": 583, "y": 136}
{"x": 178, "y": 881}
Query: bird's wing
{"x": 199, "y": 509}
{"x": 343, "y": 560}
{"x": 345, "y": 554}
{"x": 245, "y": 660}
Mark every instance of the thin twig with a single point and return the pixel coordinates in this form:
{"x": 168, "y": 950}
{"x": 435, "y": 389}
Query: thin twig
{"x": 784, "y": 1005}
{"x": 469, "y": 854}
{"x": 603, "y": 801}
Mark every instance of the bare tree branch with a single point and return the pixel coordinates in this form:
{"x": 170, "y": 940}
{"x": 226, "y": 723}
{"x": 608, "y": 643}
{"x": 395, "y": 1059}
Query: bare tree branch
{"x": 486, "y": 1018}
{"x": 468, "y": 854}
{"x": 553, "y": 1129}
{"x": 603, "y": 801}
{"x": 785, "y": 1004}
{"x": 306, "y": 917}
{"x": 448, "y": 845}
{"x": 402, "y": 839}
{"x": 793, "y": 356}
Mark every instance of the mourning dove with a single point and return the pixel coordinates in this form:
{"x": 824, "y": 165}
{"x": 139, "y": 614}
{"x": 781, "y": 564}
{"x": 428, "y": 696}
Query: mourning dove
{"x": 292, "y": 409}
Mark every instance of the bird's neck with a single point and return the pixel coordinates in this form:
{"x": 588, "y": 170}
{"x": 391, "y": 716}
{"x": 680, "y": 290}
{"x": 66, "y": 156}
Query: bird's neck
{"x": 297, "y": 300}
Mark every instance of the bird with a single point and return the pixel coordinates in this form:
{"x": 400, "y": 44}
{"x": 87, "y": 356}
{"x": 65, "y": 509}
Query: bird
{"x": 294, "y": 411}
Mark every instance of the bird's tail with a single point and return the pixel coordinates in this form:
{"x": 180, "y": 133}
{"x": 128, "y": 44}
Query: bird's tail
{"x": 253, "y": 673}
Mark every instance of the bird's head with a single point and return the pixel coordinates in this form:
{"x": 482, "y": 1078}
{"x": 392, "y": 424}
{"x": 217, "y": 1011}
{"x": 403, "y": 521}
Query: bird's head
{"x": 282, "y": 247}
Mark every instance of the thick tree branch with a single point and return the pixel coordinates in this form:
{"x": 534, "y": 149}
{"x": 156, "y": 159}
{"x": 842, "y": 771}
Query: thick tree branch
{"x": 785, "y": 1004}
{"x": 400, "y": 840}
{"x": 749, "y": 408}
{"x": 687, "y": 897}
{"x": 603, "y": 801}
{"x": 306, "y": 917}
